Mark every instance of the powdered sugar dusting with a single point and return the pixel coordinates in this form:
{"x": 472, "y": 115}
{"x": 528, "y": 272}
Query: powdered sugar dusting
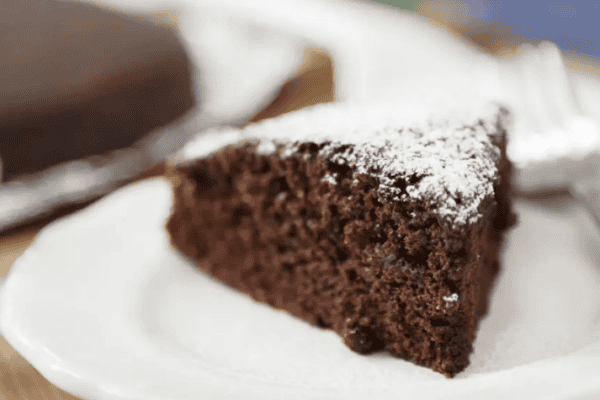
{"x": 450, "y": 299}
{"x": 447, "y": 158}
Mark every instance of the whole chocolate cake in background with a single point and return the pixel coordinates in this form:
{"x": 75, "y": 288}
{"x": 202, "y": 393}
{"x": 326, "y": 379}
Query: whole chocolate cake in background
{"x": 382, "y": 224}
{"x": 79, "y": 80}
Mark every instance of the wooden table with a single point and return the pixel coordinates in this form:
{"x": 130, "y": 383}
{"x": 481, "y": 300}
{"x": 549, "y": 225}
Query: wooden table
{"x": 314, "y": 84}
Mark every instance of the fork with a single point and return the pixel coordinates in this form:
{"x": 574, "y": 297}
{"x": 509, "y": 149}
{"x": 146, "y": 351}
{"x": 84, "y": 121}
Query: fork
{"x": 553, "y": 143}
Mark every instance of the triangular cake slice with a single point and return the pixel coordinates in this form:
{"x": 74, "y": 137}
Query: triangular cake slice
{"x": 383, "y": 224}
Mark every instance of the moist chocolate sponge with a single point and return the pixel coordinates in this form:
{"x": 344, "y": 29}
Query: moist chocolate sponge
{"x": 305, "y": 230}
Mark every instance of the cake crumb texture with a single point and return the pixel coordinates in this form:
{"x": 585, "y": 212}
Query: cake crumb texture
{"x": 449, "y": 158}
{"x": 307, "y": 229}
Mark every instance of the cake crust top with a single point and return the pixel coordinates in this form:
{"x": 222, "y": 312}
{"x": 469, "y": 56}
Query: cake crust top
{"x": 445, "y": 157}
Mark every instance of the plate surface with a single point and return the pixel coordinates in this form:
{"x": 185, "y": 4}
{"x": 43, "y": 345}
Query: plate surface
{"x": 104, "y": 308}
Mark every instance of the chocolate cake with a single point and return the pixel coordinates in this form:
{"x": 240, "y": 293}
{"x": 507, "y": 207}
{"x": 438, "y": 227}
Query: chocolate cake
{"x": 77, "y": 80}
{"x": 383, "y": 224}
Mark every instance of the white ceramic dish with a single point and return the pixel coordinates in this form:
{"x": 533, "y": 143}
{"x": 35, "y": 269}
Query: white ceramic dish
{"x": 104, "y": 308}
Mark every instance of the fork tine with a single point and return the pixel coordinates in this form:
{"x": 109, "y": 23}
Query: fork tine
{"x": 561, "y": 97}
{"x": 533, "y": 89}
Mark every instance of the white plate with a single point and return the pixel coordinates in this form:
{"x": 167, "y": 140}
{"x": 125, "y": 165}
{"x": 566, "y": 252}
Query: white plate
{"x": 105, "y": 309}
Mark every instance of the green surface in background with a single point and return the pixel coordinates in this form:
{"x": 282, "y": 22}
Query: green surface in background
{"x": 398, "y": 3}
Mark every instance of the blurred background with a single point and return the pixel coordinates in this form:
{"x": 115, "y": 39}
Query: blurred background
{"x": 569, "y": 24}
{"x": 293, "y": 71}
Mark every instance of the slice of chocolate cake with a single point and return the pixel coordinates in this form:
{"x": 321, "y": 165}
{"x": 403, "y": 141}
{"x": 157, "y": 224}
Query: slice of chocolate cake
{"x": 382, "y": 224}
